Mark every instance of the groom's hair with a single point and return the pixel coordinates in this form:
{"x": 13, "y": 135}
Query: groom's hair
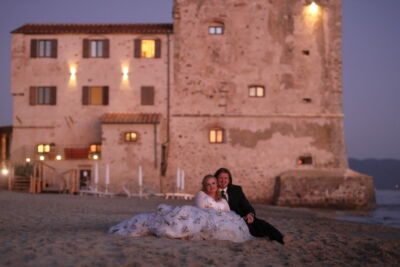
{"x": 224, "y": 170}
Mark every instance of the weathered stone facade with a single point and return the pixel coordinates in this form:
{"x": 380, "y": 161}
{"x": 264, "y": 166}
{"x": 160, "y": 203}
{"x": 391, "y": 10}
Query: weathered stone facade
{"x": 265, "y": 74}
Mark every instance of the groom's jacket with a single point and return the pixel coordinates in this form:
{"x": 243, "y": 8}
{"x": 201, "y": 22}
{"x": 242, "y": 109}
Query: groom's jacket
{"x": 238, "y": 201}
{"x": 259, "y": 228}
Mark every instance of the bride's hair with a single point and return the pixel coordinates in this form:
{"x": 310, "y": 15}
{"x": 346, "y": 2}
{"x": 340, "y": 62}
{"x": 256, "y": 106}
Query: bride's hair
{"x": 204, "y": 186}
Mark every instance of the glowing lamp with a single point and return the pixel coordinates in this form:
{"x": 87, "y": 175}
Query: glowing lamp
{"x": 125, "y": 72}
{"x": 41, "y": 157}
{"x": 27, "y": 160}
{"x": 95, "y": 156}
{"x": 4, "y": 171}
{"x": 72, "y": 72}
{"x": 313, "y": 8}
{"x": 58, "y": 157}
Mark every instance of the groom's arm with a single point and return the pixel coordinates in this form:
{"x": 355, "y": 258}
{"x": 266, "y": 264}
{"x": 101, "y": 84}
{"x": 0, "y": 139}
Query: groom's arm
{"x": 246, "y": 206}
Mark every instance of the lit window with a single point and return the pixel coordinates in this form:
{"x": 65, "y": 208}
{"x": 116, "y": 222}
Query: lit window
{"x": 256, "y": 91}
{"x": 43, "y": 148}
{"x": 216, "y": 29}
{"x": 95, "y": 148}
{"x": 95, "y": 95}
{"x": 130, "y": 137}
{"x": 216, "y": 136}
{"x": 147, "y": 48}
{"x": 305, "y": 160}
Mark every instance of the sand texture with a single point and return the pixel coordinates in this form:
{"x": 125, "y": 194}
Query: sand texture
{"x": 67, "y": 230}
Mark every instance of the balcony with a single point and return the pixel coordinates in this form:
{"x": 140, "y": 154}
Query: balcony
{"x": 53, "y": 152}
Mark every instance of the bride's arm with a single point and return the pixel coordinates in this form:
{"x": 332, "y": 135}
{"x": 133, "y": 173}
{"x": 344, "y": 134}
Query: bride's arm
{"x": 201, "y": 200}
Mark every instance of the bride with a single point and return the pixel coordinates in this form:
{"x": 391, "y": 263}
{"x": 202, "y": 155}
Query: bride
{"x": 210, "y": 219}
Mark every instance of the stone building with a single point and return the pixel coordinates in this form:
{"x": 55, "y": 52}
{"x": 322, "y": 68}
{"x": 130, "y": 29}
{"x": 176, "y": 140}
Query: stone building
{"x": 253, "y": 86}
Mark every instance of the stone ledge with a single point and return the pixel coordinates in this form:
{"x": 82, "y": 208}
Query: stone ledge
{"x": 339, "y": 189}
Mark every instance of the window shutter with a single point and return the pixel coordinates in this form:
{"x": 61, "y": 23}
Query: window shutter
{"x": 85, "y": 95}
{"x": 138, "y": 48}
{"x": 85, "y": 51}
{"x": 54, "y": 48}
{"x": 158, "y": 48}
{"x": 147, "y": 95}
{"x": 53, "y": 95}
{"x": 105, "y": 95}
{"x": 33, "y": 48}
{"x": 106, "y": 48}
{"x": 32, "y": 96}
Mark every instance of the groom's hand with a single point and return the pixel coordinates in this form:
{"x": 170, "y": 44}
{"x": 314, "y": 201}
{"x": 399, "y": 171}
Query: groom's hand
{"x": 249, "y": 218}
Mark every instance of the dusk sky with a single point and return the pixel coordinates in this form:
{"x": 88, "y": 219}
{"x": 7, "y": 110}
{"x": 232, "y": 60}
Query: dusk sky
{"x": 371, "y": 58}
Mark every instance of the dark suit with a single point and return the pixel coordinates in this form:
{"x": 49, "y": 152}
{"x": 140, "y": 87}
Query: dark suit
{"x": 237, "y": 201}
{"x": 259, "y": 228}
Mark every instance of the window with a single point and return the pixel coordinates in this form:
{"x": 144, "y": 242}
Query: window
{"x": 95, "y": 148}
{"x": 42, "y": 95}
{"x": 130, "y": 137}
{"x": 95, "y": 95}
{"x": 305, "y": 160}
{"x": 44, "y": 48}
{"x": 43, "y": 148}
{"x": 256, "y": 91}
{"x": 96, "y": 48}
{"x": 216, "y": 28}
{"x": 147, "y": 95}
{"x": 216, "y": 136}
{"x": 147, "y": 48}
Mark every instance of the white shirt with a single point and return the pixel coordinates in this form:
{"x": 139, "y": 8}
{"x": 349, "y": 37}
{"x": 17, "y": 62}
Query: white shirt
{"x": 226, "y": 193}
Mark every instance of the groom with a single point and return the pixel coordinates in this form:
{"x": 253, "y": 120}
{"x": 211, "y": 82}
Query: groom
{"x": 238, "y": 203}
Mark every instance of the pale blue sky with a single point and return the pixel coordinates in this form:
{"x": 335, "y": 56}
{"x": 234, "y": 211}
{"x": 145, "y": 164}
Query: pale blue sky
{"x": 371, "y": 42}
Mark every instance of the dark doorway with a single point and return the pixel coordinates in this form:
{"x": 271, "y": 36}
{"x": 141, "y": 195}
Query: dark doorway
{"x": 84, "y": 179}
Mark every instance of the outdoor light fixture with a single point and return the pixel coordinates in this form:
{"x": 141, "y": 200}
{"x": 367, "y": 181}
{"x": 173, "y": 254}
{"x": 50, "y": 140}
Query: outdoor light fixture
{"x": 125, "y": 72}
{"x": 72, "y": 72}
{"x": 95, "y": 156}
{"x": 41, "y": 157}
{"x": 58, "y": 157}
{"x": 28, "y": 160}
{"x": 4, "y": 171}
{"x": 313, "y": 8}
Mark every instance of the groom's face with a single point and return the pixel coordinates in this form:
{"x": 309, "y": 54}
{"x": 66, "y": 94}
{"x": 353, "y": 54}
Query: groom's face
{"x": 223, "y": 180}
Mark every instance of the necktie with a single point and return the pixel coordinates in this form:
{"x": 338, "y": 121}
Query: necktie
{"x": 223, "y": 194}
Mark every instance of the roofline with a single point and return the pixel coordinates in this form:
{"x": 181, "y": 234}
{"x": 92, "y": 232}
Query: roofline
{"x": 94, "y": 28}
{"x": 155, "y": 122}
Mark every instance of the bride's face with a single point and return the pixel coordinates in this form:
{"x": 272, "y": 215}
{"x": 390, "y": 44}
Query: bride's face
{"x": 211, "y": 185}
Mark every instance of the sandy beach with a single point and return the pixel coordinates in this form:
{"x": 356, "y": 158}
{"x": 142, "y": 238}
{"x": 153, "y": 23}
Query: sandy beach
{"x": 68, "y": 230}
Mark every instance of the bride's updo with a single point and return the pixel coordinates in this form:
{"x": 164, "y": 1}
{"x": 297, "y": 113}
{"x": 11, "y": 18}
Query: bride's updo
{"x": 204, "y": 186}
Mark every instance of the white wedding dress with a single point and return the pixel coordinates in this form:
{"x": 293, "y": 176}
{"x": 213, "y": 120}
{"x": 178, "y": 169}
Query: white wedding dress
{"x": 209, "y": 220}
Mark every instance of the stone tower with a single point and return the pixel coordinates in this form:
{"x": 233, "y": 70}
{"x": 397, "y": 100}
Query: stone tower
{"x": 257, "y": 89}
